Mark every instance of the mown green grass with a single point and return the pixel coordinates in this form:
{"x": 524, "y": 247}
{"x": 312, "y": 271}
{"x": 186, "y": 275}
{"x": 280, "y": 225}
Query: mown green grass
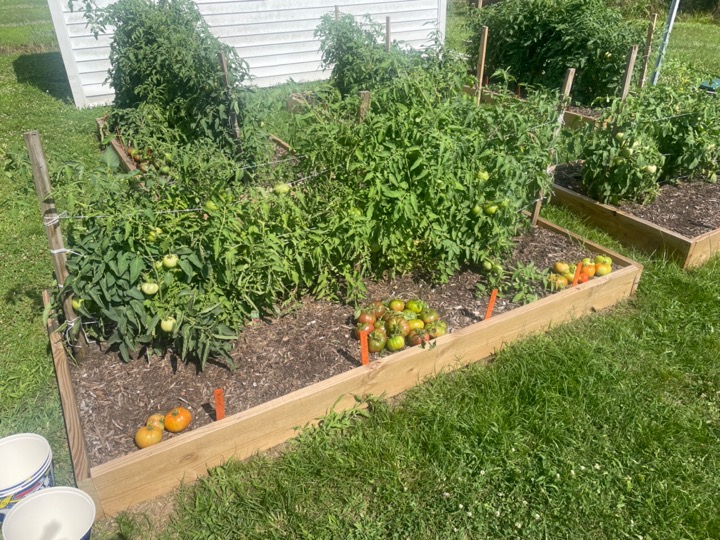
{"x": 698, "y": 45}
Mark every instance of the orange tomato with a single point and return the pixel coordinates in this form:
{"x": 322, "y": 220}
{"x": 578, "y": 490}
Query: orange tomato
{"x": 147, "y": 436}
{"x": 583, "y": 277}
{"x": 157, "y": 420}
{"x": 177, "y": 419}
{"x": 588, "y": 269}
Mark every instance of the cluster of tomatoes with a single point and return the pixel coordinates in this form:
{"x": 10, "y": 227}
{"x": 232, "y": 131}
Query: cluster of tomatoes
{"x": 563, "y": 274}
{"x": 395, "y": 324}
{"x": 145, "y": 158}
{"x": 151, "y": 433}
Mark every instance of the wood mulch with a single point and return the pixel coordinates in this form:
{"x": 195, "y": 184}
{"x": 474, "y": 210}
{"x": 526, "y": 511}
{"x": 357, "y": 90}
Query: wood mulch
{"x": 687, "y": 208}
{"x": 276, "y": 356}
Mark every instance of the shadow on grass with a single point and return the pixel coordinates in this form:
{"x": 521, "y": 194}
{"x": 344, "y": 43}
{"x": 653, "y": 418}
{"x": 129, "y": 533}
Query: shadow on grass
{"x": 21, "y": 294}
{"x": 46, "y": 72}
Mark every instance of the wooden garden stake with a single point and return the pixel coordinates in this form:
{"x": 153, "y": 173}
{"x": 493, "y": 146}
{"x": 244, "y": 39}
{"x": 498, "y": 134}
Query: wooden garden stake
{"x": 388, "y": 34}
{"x": 578, "y": 269}
{"x": 565, "y": 91}
{"x": 52, "y": 229}
{"x": 627, "y": 76}
{"x": 364, "y": 353}
{"x": 337, "y": 13}
{"x": 648, "y": 47}
{"x": 364, "y": 104}
{"x": 219, "y": 404}
{"x": 481, "y": 63}
{"x": 491, "y": 304}
{"x": 234, "y": 126}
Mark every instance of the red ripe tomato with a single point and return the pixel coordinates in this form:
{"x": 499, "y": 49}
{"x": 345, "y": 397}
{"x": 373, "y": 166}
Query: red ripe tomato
{"x": 362, "y": 327}
{"x": 366, "y": 316}
{"x": 376, "y": 341}
{"x": 397, "y": 305}
{"x": 583, "y": 277}
{"x": 395, "y": 343}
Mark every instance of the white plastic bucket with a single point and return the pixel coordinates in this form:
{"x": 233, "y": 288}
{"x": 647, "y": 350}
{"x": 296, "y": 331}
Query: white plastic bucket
{"x": 25, "y": 467}
{"x": 55, "y": 513}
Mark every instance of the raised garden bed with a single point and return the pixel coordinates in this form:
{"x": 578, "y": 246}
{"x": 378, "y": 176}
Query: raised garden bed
{"x": 689, "y": 245}
{"x": 124, "y": 481}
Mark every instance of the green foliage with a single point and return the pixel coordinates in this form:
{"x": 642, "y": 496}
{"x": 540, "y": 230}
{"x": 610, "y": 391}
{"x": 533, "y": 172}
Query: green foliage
{"x": 538, "y": 40}
{"x": 521, "y": 283}
{"x": 163, "y": 55}
{"x": 663, "y": 134}
{"x": 435, "y": 181}
{"x": 621, "y": 163}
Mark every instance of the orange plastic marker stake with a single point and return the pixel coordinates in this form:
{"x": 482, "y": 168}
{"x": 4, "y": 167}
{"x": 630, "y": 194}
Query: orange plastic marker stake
{"x": 491, "y": 304}
{"x": 219, "y": 404}
{"x": 578, "y": 269}
{"x": 364, "y": 354}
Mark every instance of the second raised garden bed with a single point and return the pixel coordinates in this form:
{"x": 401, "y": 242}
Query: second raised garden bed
{"x": 635, "y": 231}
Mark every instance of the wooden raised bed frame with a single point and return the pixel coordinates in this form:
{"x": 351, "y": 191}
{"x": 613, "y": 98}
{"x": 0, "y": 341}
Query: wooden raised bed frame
{"x": 148, "y": 473}
{"x": 637, "y": 232}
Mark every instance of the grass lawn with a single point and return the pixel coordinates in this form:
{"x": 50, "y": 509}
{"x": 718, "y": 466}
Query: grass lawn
{"x": 607, "y": 428}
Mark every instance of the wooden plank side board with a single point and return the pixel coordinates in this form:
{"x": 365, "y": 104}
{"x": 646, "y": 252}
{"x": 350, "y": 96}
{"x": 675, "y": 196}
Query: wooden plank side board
{"x": 122, "y": 483}
{"x": 640, "y": 233}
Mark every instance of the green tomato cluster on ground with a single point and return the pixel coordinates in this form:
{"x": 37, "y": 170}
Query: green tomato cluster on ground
{"x": 395, "y": 324}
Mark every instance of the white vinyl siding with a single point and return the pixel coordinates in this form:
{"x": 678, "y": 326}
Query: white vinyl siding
{"x": 275, "y": 37}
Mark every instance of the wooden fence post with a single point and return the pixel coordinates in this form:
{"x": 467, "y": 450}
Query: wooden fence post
{"x": 337, "y": 13}
{"x": 481, "y": 63}
{"x": 364, "y": 105}
{"x": 565, "y": 94}
{"x": 627, "y": 76}
{"x": 388, "y": 35}
{"x": 648, "y": 47}
{"x": 233, "y": 117}
{"x": 51, "y": 221}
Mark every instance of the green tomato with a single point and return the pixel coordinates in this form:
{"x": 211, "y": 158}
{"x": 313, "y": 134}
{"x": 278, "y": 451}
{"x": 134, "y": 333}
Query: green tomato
{"x": 167, "y": 324}
{"x": 158, "y": 265}
{"x": 490, "y": 209}
{"x": 149, "y": 289}
{"x": 626, "y": 152}
{"x": 619, "y": 136}
{"x": 210, "y": 206}
{"x": 164, "y": 169}
{"x": 415, "y": 305}
{"x": 281, "y": 189}
{"x": 154, "y": 234}
{"x": 487, "y": 265}
{"x": 170, "y": 261}
{"x": 77, "y": 303}
{"x": 395, "y": 343}
{"x": 476, "y": 210}
{"x": 483, "y": 176}
{"x": 649, "y": 169}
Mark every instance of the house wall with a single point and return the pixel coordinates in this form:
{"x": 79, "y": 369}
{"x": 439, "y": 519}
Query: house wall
{"x": 275, "y": 37}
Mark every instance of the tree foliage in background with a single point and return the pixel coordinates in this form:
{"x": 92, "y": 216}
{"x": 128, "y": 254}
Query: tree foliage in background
{"x": 538, "y": 40}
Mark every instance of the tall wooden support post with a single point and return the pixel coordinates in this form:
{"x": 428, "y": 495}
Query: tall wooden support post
{"x": 52, "y": 229}
{"x": 564, "y": 98}
{"x": 364, "y": 105}
{"x": 648, "y": 48}
{"x": 234, "y": 126}
{"x": 481, "y": 63}
{"x": 627, "y": 76}
{"x": 388, "y": 34}
{"x": 337, "y": 13}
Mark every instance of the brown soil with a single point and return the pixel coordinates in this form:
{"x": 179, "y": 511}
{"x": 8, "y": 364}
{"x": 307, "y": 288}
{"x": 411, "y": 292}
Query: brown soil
{"x": 587, "y": 111}
{"x": 687, "y": 208}
{"x": 273, "y": 357}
